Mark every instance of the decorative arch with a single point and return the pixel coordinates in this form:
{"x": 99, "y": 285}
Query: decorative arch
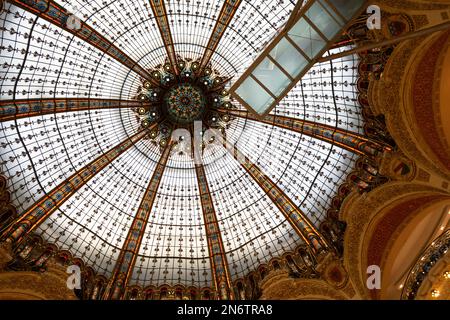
{"x": 375, "y": 221}
{"x": 407, "y": 95}
{"x": 300, "y": 289}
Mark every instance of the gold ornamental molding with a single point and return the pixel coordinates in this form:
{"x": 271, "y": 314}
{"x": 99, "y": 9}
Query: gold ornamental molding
{"x": 360, "y": 212}
{"x": 429, "y": 277}
{"x": 284, "y": 288}
{"x": 420, "y": 99}
{"x": 387, "y": 97}
{"x": 437, "y": 280}
{"x": 35, "y": 286}
{"x": 437, "y": 86}
{"x": 415, "y": 5}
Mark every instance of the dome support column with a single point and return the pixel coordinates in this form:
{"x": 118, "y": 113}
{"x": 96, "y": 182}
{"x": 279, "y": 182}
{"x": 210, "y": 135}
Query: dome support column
{"x": 59, "y": 16}
{"x": 160, "y": 13}
{"x": 130, "y": 249}
{"x": 298, "y": 220}
{"x": 41, "y": 210}
{"x": 17, "y": 109}
{"x": 218, "y": 259}
{"x": 345, "y": 139}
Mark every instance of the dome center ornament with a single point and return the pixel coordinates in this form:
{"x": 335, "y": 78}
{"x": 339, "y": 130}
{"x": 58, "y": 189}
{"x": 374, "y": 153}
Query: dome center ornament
{"x": 184, "y": 103}
{"x": 178, "y": 101}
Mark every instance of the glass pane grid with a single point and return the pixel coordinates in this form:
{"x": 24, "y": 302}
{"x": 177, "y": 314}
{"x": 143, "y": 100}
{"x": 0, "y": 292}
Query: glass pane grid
{"x": 38, "y": 153}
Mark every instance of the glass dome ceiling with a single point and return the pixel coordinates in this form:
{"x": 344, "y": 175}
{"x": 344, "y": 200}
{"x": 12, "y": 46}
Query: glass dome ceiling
{"x": 45, "y": 62}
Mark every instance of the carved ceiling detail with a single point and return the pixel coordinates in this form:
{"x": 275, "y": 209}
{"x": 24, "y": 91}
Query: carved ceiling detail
{"x": 47, "y": 286}
{"x": 359, "y": 211}
{"x": 388, "y": 95}
{"x": 282, "y": 287}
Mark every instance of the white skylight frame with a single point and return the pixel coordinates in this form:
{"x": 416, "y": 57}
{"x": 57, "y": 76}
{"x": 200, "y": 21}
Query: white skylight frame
{"x": 306, "y": 37}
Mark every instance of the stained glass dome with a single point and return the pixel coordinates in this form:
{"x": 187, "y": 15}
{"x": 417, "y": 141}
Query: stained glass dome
{"x": 79, "y": 91}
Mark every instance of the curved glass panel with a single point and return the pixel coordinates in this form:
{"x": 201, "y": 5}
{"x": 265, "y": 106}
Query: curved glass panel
{"x": 43, "y": 61}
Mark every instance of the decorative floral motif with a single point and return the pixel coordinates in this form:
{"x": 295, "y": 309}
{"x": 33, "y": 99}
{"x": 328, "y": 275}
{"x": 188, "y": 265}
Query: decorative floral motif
{"x": 184, "y": 103}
